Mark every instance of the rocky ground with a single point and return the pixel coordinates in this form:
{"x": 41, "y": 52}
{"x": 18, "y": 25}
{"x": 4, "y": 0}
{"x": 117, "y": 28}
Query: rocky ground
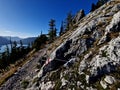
{"x": 87, "y": 57}
{"x": 24, "y": 74}
{"x": 91, "y": 52}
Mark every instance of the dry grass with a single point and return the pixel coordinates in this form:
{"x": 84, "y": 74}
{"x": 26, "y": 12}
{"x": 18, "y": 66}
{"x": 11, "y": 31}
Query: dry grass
{"x": 14, "y": 67}
{"x": 59, "y": 40}
{"x": 100, "y": 23}
{"x": 85, "y": 36}
{"x": 7, "y": 75}
{"x": 114, "y": 35}
{"x": 114, "y": 2}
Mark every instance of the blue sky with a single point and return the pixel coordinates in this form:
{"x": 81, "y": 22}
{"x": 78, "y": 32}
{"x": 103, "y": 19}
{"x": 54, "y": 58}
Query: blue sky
{"x": 26, "y": 18}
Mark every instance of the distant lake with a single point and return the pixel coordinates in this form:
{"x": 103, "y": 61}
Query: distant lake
{"x": 3, "y": 47}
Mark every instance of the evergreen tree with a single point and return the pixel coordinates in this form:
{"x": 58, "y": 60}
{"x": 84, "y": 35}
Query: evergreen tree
{"x": 82, "y": 14}
{"x": 11, "y": 43}
{"x": 61, "y": 29}
{"x": 3, "y": 62}
{"x": 12, "y": 56}
{"x": 14, "y": 44}
{"x": 14, "y": 53}
{"x": 93, "y": 7}
{"x": 7, "y": 51}
{"x": 98, "y": 4}
{"x": 52, "y": 30}
{"x": 21, "y": 43}
{"x": 41, "y": 32}
{"x": 101, "y": 2}
{"x": 21, "y": 48}
{"x": 28, "y": 48}
{"x": 39, "y": 42}
{"x": 69, "y": 19}
{"x": 55, "y": 33}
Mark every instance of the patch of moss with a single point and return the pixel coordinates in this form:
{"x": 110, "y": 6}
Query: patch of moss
{"x": 54, "y": 76}
{"x": 35, "y": 80}
{"x": 25, "y": 83}
{"x": 58, "y": 85}
{"x": 82, "y": 78}
{"x": 104, "y": 53}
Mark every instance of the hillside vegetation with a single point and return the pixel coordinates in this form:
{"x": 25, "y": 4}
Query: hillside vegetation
{"x": 85, "y": 57}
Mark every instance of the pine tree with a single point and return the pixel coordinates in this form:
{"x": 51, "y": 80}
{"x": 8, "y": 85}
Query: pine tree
{"x": 82, "y": 14}
{"x": 7, "y": 51}
{"x": 41, "y": 32}
{"x": 52, "y": 30}
{"x": 21, "y": 49}
{"x": 69, "y": 22}
{"x": 61, "y": 29}
{"x": 11, "y": 43}
{"x": 14, "y": 44}
{"x": 93, "y": 7}
{"x": 21, "y": 43}
{"x": 14, "y": 54}
{"x": 55, "y": 33}
{"x": 98, "y": 4}
{"x": 3, "y": 62}
{"x": 7, "y": 54}
{"x": 101, "y": 2}
{"x": 40, "y": 41}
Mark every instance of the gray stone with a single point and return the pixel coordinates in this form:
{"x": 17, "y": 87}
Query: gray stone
{"x": 109, "y": 79}
{"x": 47, "y": 86}
{"x": 95, "y": 62}
{"x": 103, "y": 84}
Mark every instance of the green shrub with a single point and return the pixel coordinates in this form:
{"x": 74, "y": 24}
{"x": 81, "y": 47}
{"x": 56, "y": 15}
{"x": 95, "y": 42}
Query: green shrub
{"x": 82, "y": 78}
{"x": 58, "y": 85}
{"x": 54, "y": 76}
{"x": 104, "y": 54}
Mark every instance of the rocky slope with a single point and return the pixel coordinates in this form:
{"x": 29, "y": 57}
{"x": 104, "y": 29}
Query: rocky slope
{"x": 87, "y": 57}
{"x": 21, "y": 78}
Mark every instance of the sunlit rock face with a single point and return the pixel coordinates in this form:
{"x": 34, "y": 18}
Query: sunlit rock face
{"x": 89, "y": 58}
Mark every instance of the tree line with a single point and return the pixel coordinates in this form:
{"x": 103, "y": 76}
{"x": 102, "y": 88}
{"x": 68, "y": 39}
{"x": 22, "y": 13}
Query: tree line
{"x": 53, "y": 33}
{"x": 98, "y": 4}
{"x": 66, "y": 25}
{"x": 16, "y": 53}
{"x": 12, "y": 54}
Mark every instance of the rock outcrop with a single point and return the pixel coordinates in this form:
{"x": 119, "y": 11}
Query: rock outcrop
{"x": 89, "y": 54}
{"x": 86, "y": 58}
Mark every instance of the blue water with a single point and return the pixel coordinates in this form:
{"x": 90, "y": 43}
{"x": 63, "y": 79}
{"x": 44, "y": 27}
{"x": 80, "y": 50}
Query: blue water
{"x": 3, "y": 47}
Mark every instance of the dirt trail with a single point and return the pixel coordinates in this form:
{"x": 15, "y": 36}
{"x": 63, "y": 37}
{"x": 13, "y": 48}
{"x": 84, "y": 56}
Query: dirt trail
{"x": 28, "y": 70}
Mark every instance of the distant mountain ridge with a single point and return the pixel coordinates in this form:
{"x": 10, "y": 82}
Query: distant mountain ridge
{"x": 3, "y": 41}
{"x": 13, "y": 38}
{"x": 28, "y": 40}
{"x": 6, "y": 40}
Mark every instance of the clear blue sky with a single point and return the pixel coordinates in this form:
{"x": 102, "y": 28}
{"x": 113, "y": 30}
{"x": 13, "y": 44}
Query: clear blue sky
{"x": 25, "y": 18}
